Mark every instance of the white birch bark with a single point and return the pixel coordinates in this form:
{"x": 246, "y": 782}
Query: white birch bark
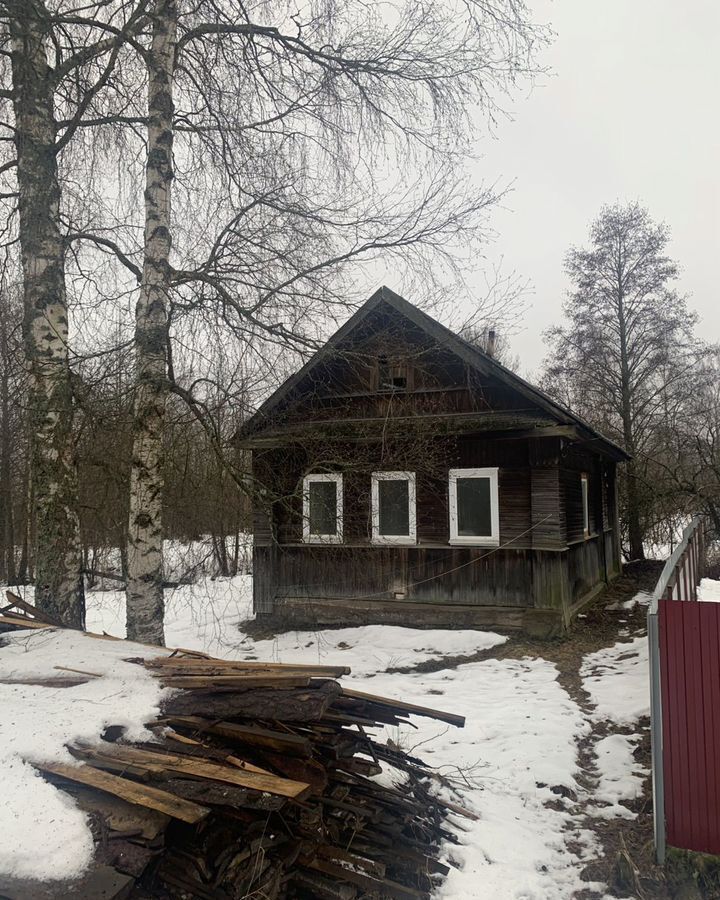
{"x": 58, "y": 579}
{"x": 145, "y": 530}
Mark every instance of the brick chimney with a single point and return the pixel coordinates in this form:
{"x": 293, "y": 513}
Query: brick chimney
{"x": 490, "y": 346}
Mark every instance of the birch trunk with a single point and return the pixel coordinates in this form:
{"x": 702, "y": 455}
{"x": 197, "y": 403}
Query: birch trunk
{"x": 58, "y": 579}
{"x": 7, "y": 510}
{"x": 145, "y": 530}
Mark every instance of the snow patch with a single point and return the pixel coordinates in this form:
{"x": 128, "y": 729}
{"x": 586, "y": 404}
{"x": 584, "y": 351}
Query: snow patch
{"x": 709, "y": 590}
{"x": 617, "y": 679}
{"x": 642, "y": 598}
{"x": 620, "y": 775}
{"x": 36, "y": 724}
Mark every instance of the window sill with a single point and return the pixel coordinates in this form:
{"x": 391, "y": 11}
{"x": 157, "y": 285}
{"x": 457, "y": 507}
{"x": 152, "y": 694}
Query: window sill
{"x": 474, "y": 542}
{"x": 319, "y": 539}
{"x": 394, "y": 541}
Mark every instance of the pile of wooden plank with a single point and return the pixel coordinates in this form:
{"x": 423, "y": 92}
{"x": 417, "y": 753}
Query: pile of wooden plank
{"x": 259, "y": 782}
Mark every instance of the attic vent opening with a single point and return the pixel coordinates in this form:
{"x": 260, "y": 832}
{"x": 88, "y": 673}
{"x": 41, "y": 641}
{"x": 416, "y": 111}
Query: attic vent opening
{"x": 392, "y": 375}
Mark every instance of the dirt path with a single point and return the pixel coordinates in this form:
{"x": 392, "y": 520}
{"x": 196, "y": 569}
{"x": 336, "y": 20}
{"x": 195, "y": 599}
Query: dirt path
{"x": 601, "y": 627}
{"x": 598, "y": 627}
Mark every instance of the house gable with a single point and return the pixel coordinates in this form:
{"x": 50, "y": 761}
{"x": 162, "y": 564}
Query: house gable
{"x": 391, "y": 365}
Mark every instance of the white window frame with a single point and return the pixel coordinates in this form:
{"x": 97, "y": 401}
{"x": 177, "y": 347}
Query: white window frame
{"x": 406, "y": 539}
{"x": 316, "y": 477}
{"x": 491, "y": 540}
{"x": 585, "y": 494}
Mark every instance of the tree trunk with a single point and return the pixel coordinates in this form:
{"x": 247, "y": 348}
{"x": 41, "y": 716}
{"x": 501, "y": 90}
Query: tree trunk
{"x": 145, "y": 528}
{"x": 635, "y": 532}
{"x": 7, "y": 510}
{"x": 58, "y": 580}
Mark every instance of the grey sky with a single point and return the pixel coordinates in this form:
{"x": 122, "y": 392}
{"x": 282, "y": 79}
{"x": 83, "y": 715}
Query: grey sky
{"x": 630, "y": 112}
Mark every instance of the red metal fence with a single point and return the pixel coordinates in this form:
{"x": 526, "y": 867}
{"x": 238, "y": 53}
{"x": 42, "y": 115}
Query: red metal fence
{"x": 684, "y": 640}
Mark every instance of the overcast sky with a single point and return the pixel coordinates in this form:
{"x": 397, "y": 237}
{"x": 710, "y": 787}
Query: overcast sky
{"x": 629, "y": 112}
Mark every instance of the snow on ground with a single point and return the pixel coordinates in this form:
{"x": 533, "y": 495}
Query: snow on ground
{"x": 642, "y": 597}
{"x": 709, "y": 590}
{"x": 617, "y": 679}
{"x": 519, "y": 743}
{"x": 514, "y": 764}
{"x": 620, "y": 775}
{"x": 182, "y": 561}
{"x": 205, "y": 616}
{"x": 368, "y": 649}
{"x": 36, "y": 724}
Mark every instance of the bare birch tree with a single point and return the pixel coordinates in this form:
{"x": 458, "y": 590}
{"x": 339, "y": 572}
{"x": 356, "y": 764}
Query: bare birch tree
{"x": 145, "y": 529}
{"x": 57, "y": 60}
{"x": 58, "y": 580}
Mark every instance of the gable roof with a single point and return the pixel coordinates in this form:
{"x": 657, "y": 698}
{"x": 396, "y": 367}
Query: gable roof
{"x": 447, "y": 339}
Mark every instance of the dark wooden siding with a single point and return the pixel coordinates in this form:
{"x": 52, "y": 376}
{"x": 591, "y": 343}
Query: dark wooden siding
{"x": 280, "y": 473}
{"x": 540, "y": 510}
{"x": 458, "y": 575}
{"x": 586, "y": 567}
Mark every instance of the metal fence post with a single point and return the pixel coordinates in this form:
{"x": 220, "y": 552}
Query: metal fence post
{"x": 656, "y": 738}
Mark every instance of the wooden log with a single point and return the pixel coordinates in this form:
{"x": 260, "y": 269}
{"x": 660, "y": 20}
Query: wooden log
{"x": 141, "y": 794}
{"x": 211, "y": 666}
{"x": 195, "y": 750}
{"x": 307, "y": 770}
{"x": 79, "y": 671}
{"x": 239, "y": 682}
{"x": 338, "y": 854}
{"x": 46, "y": 682}
{"x": 262, "y": 705}
{"x": 119, "y": 815}
{"x": 317, "y": 885}
{"x": 383, "y": 886}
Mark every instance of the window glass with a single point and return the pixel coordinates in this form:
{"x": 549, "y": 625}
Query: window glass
{"x": 474, "y": 510}
{"x": 394, "y": 507}
{"x": 322, "y": 503}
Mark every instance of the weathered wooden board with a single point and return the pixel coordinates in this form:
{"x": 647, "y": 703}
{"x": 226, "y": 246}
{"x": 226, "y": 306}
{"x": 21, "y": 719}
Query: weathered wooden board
{"x": 142, "y": 794}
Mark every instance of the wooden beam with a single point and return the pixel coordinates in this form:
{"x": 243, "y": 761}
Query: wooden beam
{"x": 140, "y": 794}
{"x": 451, "y": 718}
{"x": 19, "y": 603}
{"x": 167, "y": 762}
{"x": 21, "y": 622}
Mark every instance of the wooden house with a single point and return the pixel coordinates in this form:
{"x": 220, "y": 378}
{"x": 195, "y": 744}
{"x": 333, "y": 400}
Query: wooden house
{"x": 404, "y": 476}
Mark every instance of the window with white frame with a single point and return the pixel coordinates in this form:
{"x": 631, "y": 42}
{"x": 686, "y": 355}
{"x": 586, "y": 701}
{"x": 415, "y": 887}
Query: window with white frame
{"x": 474, "y": 513}
{"x": 584, "y": 486}
{"x": 323, "y": 508}
{"x": 393, "y": 508}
